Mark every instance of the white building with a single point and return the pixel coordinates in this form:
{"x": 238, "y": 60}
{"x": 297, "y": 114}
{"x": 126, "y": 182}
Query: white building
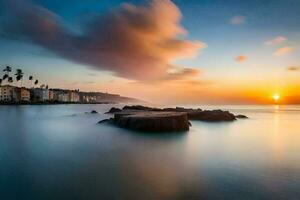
{"x": 7, "y": 93}
{"x": 74, "y": 96}
{"x": 63, "y": 97}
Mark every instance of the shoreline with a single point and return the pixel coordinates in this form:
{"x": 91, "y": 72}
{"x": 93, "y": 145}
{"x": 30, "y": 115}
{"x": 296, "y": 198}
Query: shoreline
{"x": 54, "y": 103}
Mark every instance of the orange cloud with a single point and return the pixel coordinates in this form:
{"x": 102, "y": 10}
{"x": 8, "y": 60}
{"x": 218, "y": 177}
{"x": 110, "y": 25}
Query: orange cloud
{"x": 283, "y": 51}
{"x": 237, "y": 20}
{"x": 276, "y": 41}
{"x": 133, "y": 42}
{"x": 293, "y": 68}
{"x": 241, "y": 58}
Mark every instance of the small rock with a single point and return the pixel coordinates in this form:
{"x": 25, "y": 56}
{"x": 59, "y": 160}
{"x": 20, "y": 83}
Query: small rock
{"x": 94, "y": 112}
{"x": 105, "y": 121}
{"x": 113, "y": 110}
{"x": 241, "y": 117}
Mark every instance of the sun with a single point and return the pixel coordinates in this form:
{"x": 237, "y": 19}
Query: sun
{"x": 276, "y": 97}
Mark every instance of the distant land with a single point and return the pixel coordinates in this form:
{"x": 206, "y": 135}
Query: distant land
{"x": 12, "y": 95}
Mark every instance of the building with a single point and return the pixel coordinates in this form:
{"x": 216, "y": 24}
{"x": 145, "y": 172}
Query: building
{"x": 63, "y": 97}
{"x": 88, "y": 97}
{"x": 40, "y": 95}
{"x": 74, "y": 96}
{"x": 21, "y": 95}
{"x": 7, "y": 93}
{"x": 51, "y": 96}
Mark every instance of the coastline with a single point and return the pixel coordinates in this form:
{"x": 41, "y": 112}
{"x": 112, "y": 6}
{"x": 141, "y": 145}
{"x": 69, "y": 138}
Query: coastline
{"x": 53, "y": 103}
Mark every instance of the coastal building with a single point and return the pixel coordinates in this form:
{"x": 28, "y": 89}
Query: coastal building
{"x": 63, "y": 97}
{"x": 7, "y": 93}
{"x": 88, "y": 97}
{"x": 74, "y": 96}
{"x": 51, "y": 95}
{"x": 40, "y": 95}
{"x": 21, "y": 95}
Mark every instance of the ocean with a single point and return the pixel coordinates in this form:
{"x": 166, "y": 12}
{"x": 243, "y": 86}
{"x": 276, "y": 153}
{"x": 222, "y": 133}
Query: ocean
{"x": 60, "y": 152}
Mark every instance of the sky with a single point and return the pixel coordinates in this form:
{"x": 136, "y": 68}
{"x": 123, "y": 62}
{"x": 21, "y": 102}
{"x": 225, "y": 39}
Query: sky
{"x": 161, "y": 51}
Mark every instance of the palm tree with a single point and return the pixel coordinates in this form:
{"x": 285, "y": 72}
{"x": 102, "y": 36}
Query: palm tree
{"x": 7, "y": 70}
{"x": 36, "y": 82}
{"x": 30, "y": 79}
{"x": 5, "y": 76}
{"x": 10, "y": 79}
{"x": 19, "y": 75}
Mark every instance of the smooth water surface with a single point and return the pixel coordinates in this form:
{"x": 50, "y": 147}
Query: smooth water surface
{"x": 60, "y": 152}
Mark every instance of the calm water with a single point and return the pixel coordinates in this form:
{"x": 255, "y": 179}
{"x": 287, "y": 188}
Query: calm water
{"x": 59, "y": 152}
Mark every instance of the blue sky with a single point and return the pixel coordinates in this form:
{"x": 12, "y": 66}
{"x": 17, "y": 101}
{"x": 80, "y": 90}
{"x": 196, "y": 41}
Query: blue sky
{"x": 208, "y": 21}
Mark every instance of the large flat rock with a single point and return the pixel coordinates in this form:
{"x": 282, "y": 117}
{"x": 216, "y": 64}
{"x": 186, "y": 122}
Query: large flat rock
{"x": 152, "y": 121}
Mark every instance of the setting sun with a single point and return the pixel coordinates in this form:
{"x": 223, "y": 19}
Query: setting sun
{"x": 276, "y": 97}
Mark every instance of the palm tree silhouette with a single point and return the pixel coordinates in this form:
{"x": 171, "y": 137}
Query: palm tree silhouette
{"x": 19, "y": 75}
{"x": 36, "y": 82}
{"x": 30, "y": 79}
{"x": 7, "y": 70}
{"x": 10, "y": 79}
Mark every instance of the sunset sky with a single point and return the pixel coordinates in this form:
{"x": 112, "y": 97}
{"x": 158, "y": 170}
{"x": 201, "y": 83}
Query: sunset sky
{"x": 161, "y": 51}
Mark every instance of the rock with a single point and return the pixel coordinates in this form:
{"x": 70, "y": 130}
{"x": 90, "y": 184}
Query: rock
{"x": 211, "y": 115}
{"x": 141, "y": 108}
{"x": 105, "y": 121}
{"x": 241, "y": 117}
{"x": 113, "y": 110}
{"x": 94, "y": 112}
{"x": 152, "y": 121}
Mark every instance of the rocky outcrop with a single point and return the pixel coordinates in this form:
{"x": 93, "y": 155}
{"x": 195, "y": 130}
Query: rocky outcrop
{"x": 152, "y": 121}
{"x": 142, "y": 118}
{"x": 113, "y": 110}
{"x": 193, "y": 114}
{"x": 211, "y": 116}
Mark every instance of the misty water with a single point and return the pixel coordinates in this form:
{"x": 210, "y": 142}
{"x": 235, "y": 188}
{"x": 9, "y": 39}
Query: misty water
{"x": 60, "y": 152}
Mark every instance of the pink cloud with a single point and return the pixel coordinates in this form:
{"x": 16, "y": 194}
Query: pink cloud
{"x": 241, "y": 58}
{"x": 283, "y": 51}
{"x": 237, "y": 20}
{"x": 276, "y": 41}
{"x": 133, "y": 42}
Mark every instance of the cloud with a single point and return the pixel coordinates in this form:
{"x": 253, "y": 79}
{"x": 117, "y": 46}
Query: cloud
{"x": 237, "y": 20}
{"x": 276, "y": 41}
{"x": 293, "y": 68}
{"x": 241, "y": 58}
{"x": 134, "y": 42}
{"x": 283, "y": 51}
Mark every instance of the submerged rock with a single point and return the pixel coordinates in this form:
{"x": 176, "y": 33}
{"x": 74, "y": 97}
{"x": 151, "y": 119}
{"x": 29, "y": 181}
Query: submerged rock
{"x": 152, "y": 121}
{"x": 105, "y": 121}
{"x": 113, "y": 110}
{"x": 211, "y": 116}
{"x": 241, "y": 117}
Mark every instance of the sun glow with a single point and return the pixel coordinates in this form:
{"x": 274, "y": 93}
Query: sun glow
{"x": 276, "y": 97}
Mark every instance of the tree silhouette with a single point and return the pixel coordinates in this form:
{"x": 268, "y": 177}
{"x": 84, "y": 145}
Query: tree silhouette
{"x": 7, "y": 70}
{"x": 19, "y": 75}
{"x": 36, "y": 82}
{"x": 10, "y": 79}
